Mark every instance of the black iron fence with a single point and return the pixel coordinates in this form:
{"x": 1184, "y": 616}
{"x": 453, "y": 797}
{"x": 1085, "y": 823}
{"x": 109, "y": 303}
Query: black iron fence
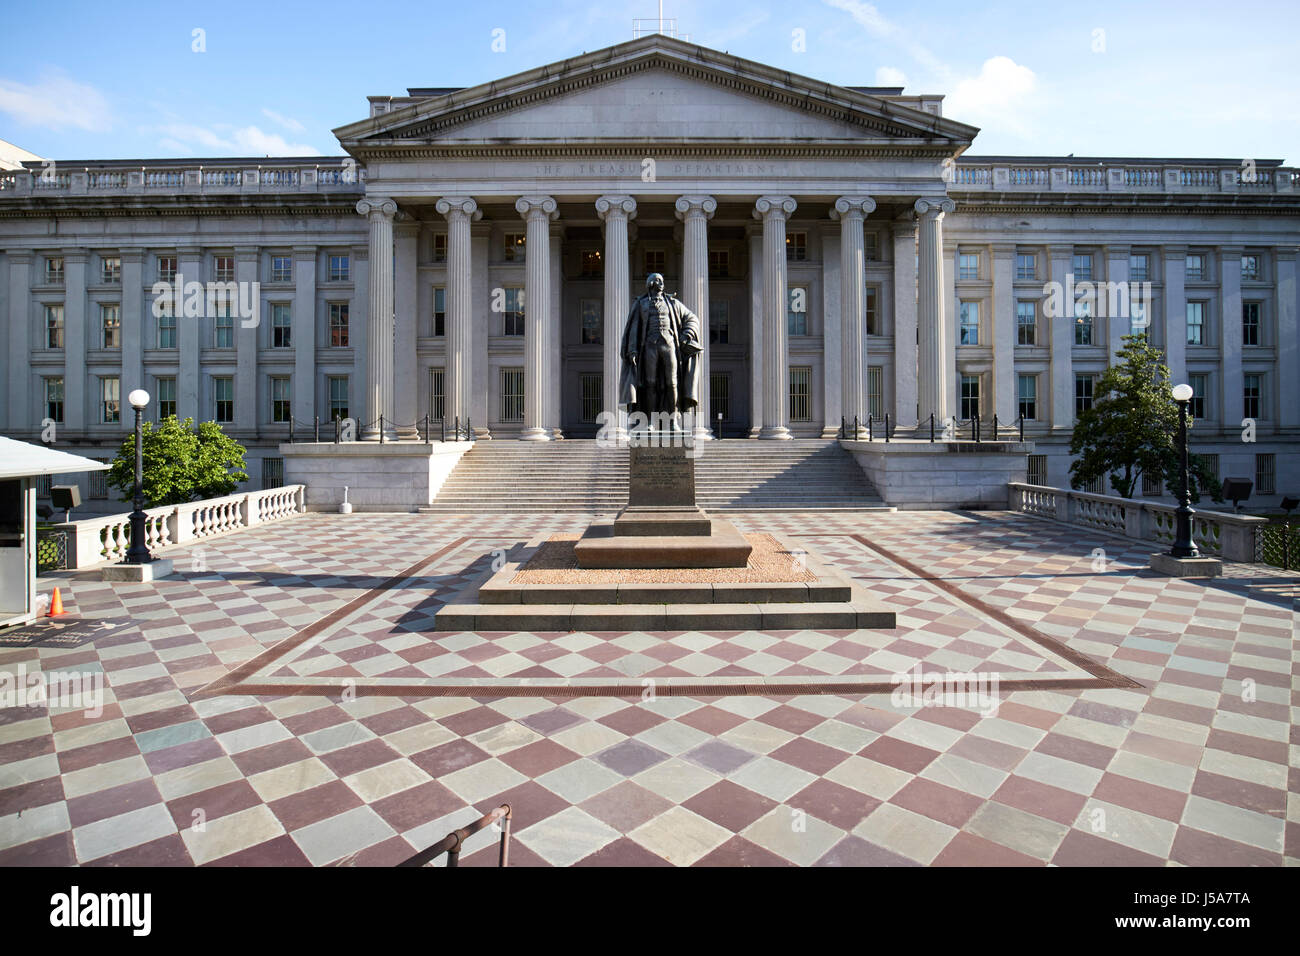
{"x": 51, "y": 551}
{"x": 338, "y": 430}
{"x": 1278, "y": 544}
{"x": 972, "y": 429}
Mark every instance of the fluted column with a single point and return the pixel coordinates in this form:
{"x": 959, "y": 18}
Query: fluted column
{"x": 459, "y": 212}
{"x": 851, "y": 211}
{"x": 379, "y": 320}
{"x": 905, "y": 400}
{"x": 538, "y": 211}
{"x": 774, "y": 211}
{"x": 406, "y": 331}
{"x": 695, "y": 213}
{"x": 616, "y": 211}
{"x": 932, "y": 374}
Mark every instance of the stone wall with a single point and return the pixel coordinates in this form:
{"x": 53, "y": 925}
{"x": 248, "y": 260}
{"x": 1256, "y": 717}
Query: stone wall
{"x": 939, "y": 475}
{"x": 395, "y": 476}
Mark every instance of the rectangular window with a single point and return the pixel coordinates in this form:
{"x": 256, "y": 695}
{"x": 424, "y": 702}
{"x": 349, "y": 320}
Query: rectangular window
{"x": 1026, "y": 322}
{"x": 439, "y": 247}
{"x": 970, "y": 323}
{"x": 1250, "y": 267}
{"x": 281, "y": 327}
{"x": 439, "y": 311}
{"x": 1250, "y": 323}
{"x": 1195, "y": 267}
{"x": 1026, "y": 265}
{"x": 1083, "y": 322}
{"x": 166, "y": 397}
{"x": 1152, "y": 486}
{"x": 54, "y": 398}
{"x": 281, "y": 269}
{"x": 340, "y": 268}
{"x": 592, "y": 399}
{"x": 512, "y": 394}
{"x": 43, "y": 483}
{"x": 1083, "y": 267}
{"x": 1138, "y": 321}
{"x": 1139, "y": 267}
{"x": 437, "y": 394}
{"x": 1195, "y": 323}
{"x": 54, "y": 326}
{"x": 796, "y": 247}
{"x": 719, "y": 263}
{"x": 223, "y": 268}
{"x": 167, "y": 268}
{"x": 338, "y": 320}
{"x": 1036, "y": 474}
{"x": 876, "y": 392}
{"x": 338, "y": 393}
{"x": 800, "y": 393}
{"x": 110, "y": 403}
{"x": 281, "y": 399}
{"x": 1028, "y": 394}
{"x": 167, "y": 331}
{"x": 1211, "y": 464}
{"x": 272, "y": 473}
{"x": 223, "y": 328}
{"x": 970, "y": 396}
{"x": 514, "y": 314}
{"x": 514, "y": 246}
{"x": 1266, "y": 474}
{"x": 1252, "y": 393}
{"x": 54, "y": 270}
{"x": 1083, "y": 386}
{"x": 720, "y": 395}
{"x": 968, "y": 265}
{"x": 1200, "y": 389}
{"x": 653, "y": 261}
{"x": 110, "y": 269}
{"x": 797, "y": 311}
{"x": 871, "y": 246}
{"x": 872, "y": 313}
{"x": 593, "y": 265}
{"x": 223, "y": 393}
{"x": 592, "y": 320}
{"x": 97, "y": 481}
{"x": 110, "y": 317}
{"x": 719, "y": 321}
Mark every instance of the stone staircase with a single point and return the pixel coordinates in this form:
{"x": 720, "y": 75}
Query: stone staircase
{"x": 578, "y": 476}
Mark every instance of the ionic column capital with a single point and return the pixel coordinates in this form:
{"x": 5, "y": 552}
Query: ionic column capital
{"x": 853, "y": 207}
{"x": 533, "y": 207}
{"x": 933, "y": 208}
{"x": 454, "y": 207}
{"x": 690, "y": 207}
{"x": 385, "y": 208}
{"x": 619, "y": 207}
{"x": 774, "y": 207}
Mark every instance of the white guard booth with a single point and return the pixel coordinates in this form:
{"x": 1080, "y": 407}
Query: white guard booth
{"x": 20, "y": 464}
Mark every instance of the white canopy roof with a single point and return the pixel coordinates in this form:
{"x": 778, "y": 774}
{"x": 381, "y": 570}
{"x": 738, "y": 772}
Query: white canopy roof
{"x": 19, "y": 459}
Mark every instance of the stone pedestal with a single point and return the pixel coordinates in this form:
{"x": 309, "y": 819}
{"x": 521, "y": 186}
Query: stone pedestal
{"x": 1201, "y": 567}
{"x": 137, "y": 573}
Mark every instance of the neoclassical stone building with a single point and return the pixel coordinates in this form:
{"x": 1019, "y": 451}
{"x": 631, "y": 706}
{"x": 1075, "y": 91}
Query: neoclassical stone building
{"x": 474, "y": 256}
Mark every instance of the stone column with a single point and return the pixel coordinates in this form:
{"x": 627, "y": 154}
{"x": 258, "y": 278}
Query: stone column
{"x": 851, "y": 211}
{"x": 1288, "y": 338}
{"x": 1230, "y": 338}
{"x": 481, "y": 383}
{"x": 695, "y": 213}
{"x": 1175, "y": 324}
{"x": 616, "y": 211}
{"x": 554, "y": 336}
{"x": 78, "y": 409}
{"x": 1060, "y": 337}
{"x": 905, "y": 331}
{"x": 754, "y": 236}
{"x": 194, "y": 391}
{"x": 933, "y": 375}
{"x": 538, "y": 211}
{"x": 774, "y": 211}
{"x": 1118, "y": 326}
{"x": 379, "y": 327}
{"x": 303, "y": 318}
{"x": 20, "y": 323}
{"x": 407, "y": 415}
{"x": 460, "y": 212}
{"x": 134, "y": 329}
{"x": 358, "y": 307}
{"x": 1002, "y": 328}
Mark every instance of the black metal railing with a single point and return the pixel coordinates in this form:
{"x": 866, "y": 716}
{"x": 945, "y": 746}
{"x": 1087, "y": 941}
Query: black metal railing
{"x": 51, "y": 551}
{"x": 451, "y": 844}
{"x": 423, "y": 428}
{"x": 1278, "y": 544}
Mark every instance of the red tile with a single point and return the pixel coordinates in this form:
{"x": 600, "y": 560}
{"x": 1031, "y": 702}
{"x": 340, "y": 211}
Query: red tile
{"x": 729, "y": 805}
{"x": 899, "y": 753}
{"x": 1196, "y": 848}
{"x": 1040, "y": 799}
{"x": 740, "y": 852}
{"x": 936, "y": 801}
{"x": 967, "y": 849}
{"x": 837, "y": 805}
{"x": 1084, "y": 849}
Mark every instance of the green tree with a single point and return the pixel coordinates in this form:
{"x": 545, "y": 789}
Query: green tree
{"x": 1132, "y": 429}
{"x": 181, "y": 463}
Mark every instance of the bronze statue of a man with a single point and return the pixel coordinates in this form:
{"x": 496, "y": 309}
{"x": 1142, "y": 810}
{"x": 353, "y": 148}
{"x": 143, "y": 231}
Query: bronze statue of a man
{"x": 660, "y": 349}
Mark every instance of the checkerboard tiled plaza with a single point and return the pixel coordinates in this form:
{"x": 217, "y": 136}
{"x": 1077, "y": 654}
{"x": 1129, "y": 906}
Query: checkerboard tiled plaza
{"x": 283, "y": 689}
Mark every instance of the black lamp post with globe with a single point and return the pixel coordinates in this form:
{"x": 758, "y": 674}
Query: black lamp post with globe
{"x": 138, "y": 552}
{"x": 1183, "y": 546}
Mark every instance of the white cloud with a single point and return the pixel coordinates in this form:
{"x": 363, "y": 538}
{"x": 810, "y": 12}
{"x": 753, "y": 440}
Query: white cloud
{"x": 56, "y": 101}
{"x": 879, "y": 26}
{"x": 890, "y": 76}
{"x": 219, "y": 140}
{"x": 1002, "y": 95}
{"x": 287, "y": 122}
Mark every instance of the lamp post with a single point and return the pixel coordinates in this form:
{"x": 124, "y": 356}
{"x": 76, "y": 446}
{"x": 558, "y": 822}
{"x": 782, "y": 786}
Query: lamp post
{"x": 1183, "y": 545}
{"x": 138, "y": 553}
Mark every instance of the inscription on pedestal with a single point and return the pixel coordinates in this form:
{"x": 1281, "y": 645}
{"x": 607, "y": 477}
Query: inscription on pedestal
{"x": 659, "y": 477}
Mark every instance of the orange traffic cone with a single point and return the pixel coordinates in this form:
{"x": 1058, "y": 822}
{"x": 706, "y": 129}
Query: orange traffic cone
{"x": 56, "y": 604}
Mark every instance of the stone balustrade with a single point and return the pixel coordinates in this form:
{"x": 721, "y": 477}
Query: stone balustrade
{"x": 1120, "y": 176}
{"x": 106, "y": 539}
{"x": 116, "y": 178}
{"x": 1229, "y": 536}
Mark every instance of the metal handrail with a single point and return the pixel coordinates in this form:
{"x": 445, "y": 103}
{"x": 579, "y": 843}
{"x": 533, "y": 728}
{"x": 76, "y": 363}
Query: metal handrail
{"x": 452, "y": 842}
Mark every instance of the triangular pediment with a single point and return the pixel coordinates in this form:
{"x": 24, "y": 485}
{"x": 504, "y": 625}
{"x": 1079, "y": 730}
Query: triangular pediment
{"x": 653, "y": 88}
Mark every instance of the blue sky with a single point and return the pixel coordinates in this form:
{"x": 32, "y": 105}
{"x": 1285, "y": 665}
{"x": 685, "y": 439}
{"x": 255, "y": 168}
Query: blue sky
{"x": 121, "y": 80}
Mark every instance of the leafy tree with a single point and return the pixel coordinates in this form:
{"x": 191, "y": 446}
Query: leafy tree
{"x": 1132, "y": 429}
{"x": 181, "y": 463}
